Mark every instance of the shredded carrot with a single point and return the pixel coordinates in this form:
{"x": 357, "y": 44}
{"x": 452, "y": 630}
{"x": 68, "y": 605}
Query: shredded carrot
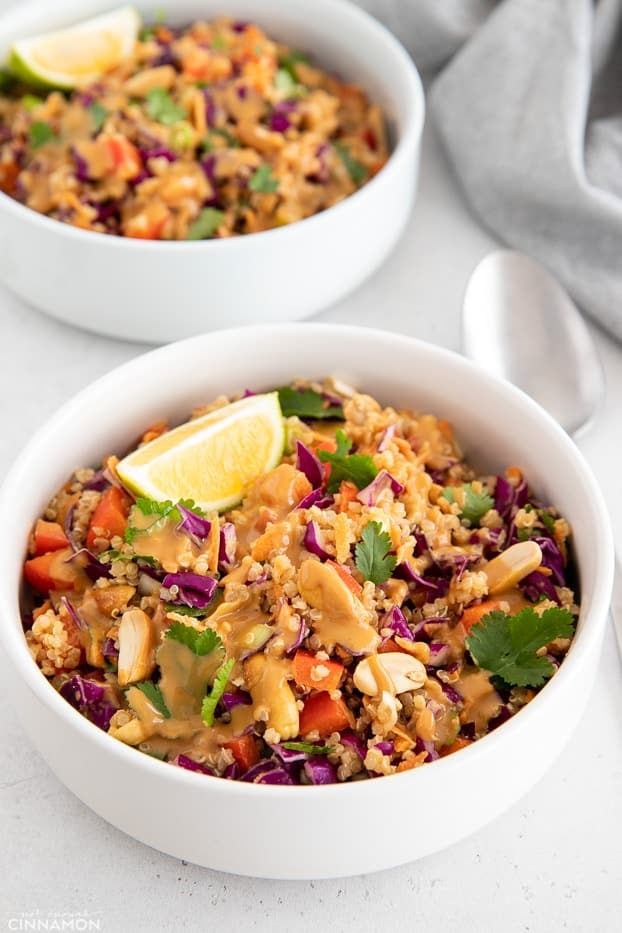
{"x": 476, "y": 613}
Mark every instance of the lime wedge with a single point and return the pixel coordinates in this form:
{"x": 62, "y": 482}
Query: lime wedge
{"x": 79, "y": 55}
{"x": 212, "y": 459}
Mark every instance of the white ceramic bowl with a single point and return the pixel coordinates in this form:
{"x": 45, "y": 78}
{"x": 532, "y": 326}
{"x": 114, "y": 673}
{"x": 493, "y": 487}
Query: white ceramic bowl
{"x": 160, "y": 291}
{"x": 349, "y": 828}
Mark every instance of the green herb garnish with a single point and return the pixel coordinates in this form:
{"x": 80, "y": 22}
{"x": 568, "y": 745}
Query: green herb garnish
{"x": 373, "y": 559}
{"x": 353, "y": 468}
{"x": 220, "y": 43}
{"x": 154, "y": 695}
{"x": 288, "y": 63}
{"x": 98, "y": 115}
{"x": 40, "y": 133}
{"x": 263, "y": 180}
{"x": 193, "y": 611}
{"x": 210, "y": 702}
{"x": 507, "y": 646}
{"x": 160, "y": 511}
{"x": 548, "y": 521}
{"x": 30, "y": 101}
{"x": 207, "y": 144}
{"x": 200, "y": 643}
{"x": 476, "y": 504}
{"x": 306, "y": 404}
{"x": 308, "y": 748}
{"x": 355, "y": 169}
{"x": 206, "y": 224}
{"x": 287, "y": 85}
{"x": 162, "y": 107}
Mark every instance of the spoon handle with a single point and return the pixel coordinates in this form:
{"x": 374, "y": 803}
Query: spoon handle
{"x": 616, "y": 603}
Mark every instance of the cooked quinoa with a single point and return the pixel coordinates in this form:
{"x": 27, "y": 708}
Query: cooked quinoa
{"x": 336, "y": 625}
{"x": 212, "y": 130}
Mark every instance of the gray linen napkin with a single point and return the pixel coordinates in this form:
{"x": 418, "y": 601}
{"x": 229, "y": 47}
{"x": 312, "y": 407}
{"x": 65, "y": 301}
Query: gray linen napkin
{"x": 528, "y": 103}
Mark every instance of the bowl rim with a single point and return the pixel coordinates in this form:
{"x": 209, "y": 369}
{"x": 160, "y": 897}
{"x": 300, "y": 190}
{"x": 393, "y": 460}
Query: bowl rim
{"x": 409, "y": 135}
{"x": 587, "y": 638}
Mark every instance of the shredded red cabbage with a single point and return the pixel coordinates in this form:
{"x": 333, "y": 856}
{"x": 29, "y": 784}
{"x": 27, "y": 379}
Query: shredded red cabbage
{"x": 311, "y": 541}
{"x": 308, "y": 463}
{"x": 369, "y": 495}
{"x": 189, "y": 764}
{"x": 188, "y": 589}
{"x": 316, "y": 497}
{"x": 320, "y": 771}
{"x": 396, "y": 620}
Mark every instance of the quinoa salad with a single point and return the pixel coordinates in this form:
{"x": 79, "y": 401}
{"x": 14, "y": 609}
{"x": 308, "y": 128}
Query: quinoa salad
{"x": 373, "y": 603}
{"x": 207, "y": 131}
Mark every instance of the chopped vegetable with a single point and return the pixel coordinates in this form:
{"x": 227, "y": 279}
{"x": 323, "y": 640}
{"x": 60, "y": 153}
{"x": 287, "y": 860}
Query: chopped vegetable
{"x": 40, "y": 133}
{"x": 206, "y": 224}
{"x": 200, "y": 643}
{"x": 476, "y": 504}
{"x": 507, "y": 646}
{"x": 307, "y": 748}
{"x": 162, "y": 107}
{"x": 208, "y": 708}
{"x": 324, "y": 715}
{"x": 373, "y": 559}
{"x": 245, "y": 751}
{"x": 474, "y": 614}
{"x": 307, "y": 404}
{"x": 263, "y": 180}
{"x": 49, "y": 536}
{"x": 98, "y": 113}
{"x": 109, "y": 520}
{"x": 154, "y": 695}
{"x": 315, "y": 674}
{"x": 356, "y": 170}
{"x": 356, "y": 468}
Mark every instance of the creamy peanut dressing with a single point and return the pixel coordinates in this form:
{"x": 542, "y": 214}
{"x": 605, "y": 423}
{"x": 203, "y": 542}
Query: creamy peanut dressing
{"x": 242, "y": 625}
{"x": 161, "y": 541}
{"x": 481, "y": 701}
{"x": 185, "y": 677}
{"x": 271, "y": 499}
{"x": 273, "y": 699}
{"x": 343, "y": 619}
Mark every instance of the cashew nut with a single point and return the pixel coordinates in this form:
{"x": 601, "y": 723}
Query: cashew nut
{"x": 273, "y": 699}
{"x": 136, "y": 647}
{"x": 393, "y": 672}
{"x": 511, "y": 566}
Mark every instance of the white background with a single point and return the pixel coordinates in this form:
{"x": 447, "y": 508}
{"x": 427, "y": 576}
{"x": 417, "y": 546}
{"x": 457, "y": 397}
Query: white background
{"x": 551, "y": 863}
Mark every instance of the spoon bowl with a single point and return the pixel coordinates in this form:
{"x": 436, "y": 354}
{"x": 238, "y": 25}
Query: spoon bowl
{"x": 521, "y": 325}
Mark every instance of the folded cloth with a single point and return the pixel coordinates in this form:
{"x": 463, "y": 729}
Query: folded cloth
{"x": 528, "y": 103}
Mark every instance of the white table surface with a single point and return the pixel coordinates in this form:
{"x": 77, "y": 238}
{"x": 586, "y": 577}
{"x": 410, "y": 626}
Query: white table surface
{"x": 551, "y": 863}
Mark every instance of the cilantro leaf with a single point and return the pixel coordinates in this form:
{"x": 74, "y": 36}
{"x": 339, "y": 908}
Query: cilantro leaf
{"x": 220, "y": 43}
{"x": 372, "y": 555}
{"x": 154, "y": 695}
{"x": 40, "y": 133}
{"x": 200, "y": 643}
{"x": 288, "y": 62}
{"x": 355, "y": 169}
{"x": 476, "y": 504}
{"x": 307, "y": 747}
{"x": 359, "y": 469}
{"x": 507, "y": 645}
{"x": 162, "y": 107}
{"x": 263, "y": 180}
{"x": 98, "y": 115}
{"x": 161, "y": 511}
{"x": 210, "y": 701}
{"x": 206, "y": 224}
{"x": 306, "y": 404}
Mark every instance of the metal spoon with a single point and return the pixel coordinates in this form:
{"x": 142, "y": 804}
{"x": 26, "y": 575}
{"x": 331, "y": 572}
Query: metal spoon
{"x": 519, "y": 323}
